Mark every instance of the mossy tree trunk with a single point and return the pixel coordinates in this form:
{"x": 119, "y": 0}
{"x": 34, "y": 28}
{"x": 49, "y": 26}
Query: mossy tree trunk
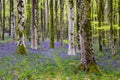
{"x": 71, "y": 49}
{"x": 46, "y": 19}
{"x": 34, "y": 25}
{"x": 100, "y": 24}
{"x": 78, "y": 20}
{"x": 87, "y": 63}
{"x": 0, "y": 17}
{"x": 56, "y": 20}
{"x": 51, "y": 29}
{"x": 102, "y": 19}
{"x": 3, "y": 23}
{"x": 12, "y": 20}
{"x": 42, "y": 21}
{"x": 112, "y": 46}
{"x": 28, "y": 21}
{"x": 115, "y": 21}
{"x": 119, "y": 20}
{"x": 37, "y": 22}
{"x": 61, "y": 21}
{"x": 21, "y": 48}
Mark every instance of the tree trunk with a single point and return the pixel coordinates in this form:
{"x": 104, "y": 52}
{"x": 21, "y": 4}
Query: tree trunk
{"x": 119, "y": 20}
{"x": 47, "y": 18}
{"x": 99, "y": 24}
{"x": 21, "y": 48}
{"x": 71, "y": 50}
{"x": 102, "y": 18}
{"x": 28, "y": 21}
{"x": 115, "y": 22}
{"x": 87, "y": 63}
{"x": 51, "y": 25}
{"x": 56, "y": 20}
{"x": 111, "y": 27}
{"x": 0, "y": 18}
{"x": 78, "y": 19}
{"x": 44, "y": 28}
{"x": 12, "y": 20}
{"x": 34, "y": 25}
{"x": 3, "y": 27}
{"x": 37, "y": 22}
{"x": 61, "y": 21}
{"x": 42, "y": 23}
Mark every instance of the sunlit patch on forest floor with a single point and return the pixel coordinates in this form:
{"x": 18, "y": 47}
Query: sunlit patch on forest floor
{"x": 53, "y": 64}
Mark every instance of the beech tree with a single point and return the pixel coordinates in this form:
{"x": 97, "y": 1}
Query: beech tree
{"x": 0, "y": 18}
{"x": 12, "y": 20}
{"x": 21, "y": 48}
{"x": 3, "y": 23}
{"x": 28, "y": 21}
{"x": 87, "y": 62}
{"x": 100, "y": 24}
{"x": 71, "y": 50}
{"x": 119, "y": 20}
{"x": 34, "y": 25}
{"x": 56, "y": 19}
{"x": 61, "y": 21}
{"x": 51, "y": 29}
{"x": 47, "y": 17}
{"x": 42, "y": 22}
{"x": 112, "y": 46}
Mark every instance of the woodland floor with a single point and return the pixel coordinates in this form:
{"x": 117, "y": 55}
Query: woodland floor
{"x": 53, "y": 64}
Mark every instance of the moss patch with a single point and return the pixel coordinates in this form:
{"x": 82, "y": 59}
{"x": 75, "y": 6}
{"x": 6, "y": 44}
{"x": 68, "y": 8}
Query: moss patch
{"x": 92, "y": 68}
{"x": 21, "y": 49}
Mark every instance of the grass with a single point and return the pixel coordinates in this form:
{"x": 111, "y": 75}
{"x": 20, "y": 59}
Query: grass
{"x": 39, "y": 67}
{"x": 30, "y": 67}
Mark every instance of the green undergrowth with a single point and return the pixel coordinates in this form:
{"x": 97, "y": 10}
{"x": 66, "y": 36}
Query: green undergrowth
{"x": 67, "y": 42}
{"x": 7, "y": 39}
{"x": 30, "y": 67}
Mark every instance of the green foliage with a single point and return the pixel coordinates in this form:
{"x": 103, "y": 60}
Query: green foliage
{"x": 95, "y": 22}
{"x": 94, "y": 15}
{"x": 66, "y": 42}
{"x": 29, "y": 67}
{"x": 116, "y": 26}
{"x": 95, "y": 35}
{"x": 108, "y": 27}
{"x": 104, "y": 28}
{"x": 100, "y": 54}
{"x": 7, "y": 39}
